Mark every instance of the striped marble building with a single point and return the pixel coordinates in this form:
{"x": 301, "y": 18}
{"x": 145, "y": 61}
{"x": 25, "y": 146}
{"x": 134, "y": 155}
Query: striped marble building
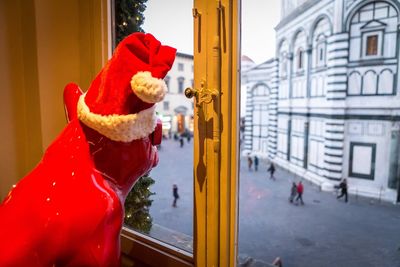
{"x": 328, "y": 106}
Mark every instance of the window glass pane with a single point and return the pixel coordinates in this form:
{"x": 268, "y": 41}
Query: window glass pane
{"x": 181, "y": 84}
{"x": 372, "y": 45}
{"x": 300, "y": 59}
{"x": 334, "y": 126}
{"x": 161, "y": 204}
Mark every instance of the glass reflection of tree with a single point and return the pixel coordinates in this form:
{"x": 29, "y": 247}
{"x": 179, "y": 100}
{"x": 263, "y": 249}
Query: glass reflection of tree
{"x": 128, "y": 19}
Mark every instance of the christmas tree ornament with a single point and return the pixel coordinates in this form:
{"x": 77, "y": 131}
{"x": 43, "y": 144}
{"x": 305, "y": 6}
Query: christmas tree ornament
{"x": 68, "y": 211}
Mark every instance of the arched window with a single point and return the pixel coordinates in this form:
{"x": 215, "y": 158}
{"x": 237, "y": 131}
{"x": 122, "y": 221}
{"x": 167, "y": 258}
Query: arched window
{"x": 320, "y": 51}
{"x": 300, "y": 59}
{"x": 260, "y": 91}
{"x": 320, "y": 33}
{"x": 371, "y": 28}
{"x": 354, "y": 87}
{"x": 283, "y": 53}
{"x": 385, "y": 85}
{"x": 283, "y": 59}
{"x": 369, "y": 83}
{"x": 299, "y": 44}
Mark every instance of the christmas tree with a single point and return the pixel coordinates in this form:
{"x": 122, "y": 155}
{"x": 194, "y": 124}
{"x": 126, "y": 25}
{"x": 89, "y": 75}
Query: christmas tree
{"x": 128, "y": 19}
{"x": 137, "y": 205}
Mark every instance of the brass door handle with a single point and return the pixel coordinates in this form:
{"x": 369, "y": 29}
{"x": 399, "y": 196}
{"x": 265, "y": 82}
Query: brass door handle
{"x": 202, "y": 95}
{"x": 190, "y": 92}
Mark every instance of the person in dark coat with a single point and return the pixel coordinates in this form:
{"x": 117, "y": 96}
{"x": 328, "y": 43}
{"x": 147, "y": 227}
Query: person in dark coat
{"x": 181, "y": 141}
{"x": 175, "y": 194}
{"x": 271, "y": 169}
{"x": 293, "y": 192}
{"x": 255, "y": 163}
{"x": 249, "y": 162}
{"x": 343, "y": 190}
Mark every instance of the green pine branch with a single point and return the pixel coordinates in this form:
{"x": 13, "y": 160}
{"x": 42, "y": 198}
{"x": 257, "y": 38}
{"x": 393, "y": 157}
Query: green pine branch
{"x": 129, "y": 17}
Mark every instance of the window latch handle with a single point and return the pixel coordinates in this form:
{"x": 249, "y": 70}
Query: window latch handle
{"x": 203, "y": 95}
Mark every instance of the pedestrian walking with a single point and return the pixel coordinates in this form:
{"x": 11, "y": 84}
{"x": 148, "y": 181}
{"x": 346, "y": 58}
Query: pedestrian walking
{"x": 271, "y": 170}
{"x": 249, "y": 162}
{"x": 181, "y": 141}
{"x": 343, "y": 190}
{"x": 255, "y": 163}
{"x": 300, "y": 190}
{"x": 293, "y": 192}
{"x": 175, "y": 194}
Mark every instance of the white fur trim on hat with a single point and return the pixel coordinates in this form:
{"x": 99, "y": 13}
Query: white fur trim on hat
{"x": 148, "y": 88}
{"x": 124, "y": 128}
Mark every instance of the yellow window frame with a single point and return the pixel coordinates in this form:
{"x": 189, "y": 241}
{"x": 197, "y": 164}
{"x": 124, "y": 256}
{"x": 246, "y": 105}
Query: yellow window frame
{"x": 216, "y": 146}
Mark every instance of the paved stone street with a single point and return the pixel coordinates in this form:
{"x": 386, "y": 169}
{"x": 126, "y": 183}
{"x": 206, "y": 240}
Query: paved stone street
{"x": 324, "y": 232}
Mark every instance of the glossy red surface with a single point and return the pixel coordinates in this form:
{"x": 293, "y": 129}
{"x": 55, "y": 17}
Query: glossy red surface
{"x": 68, "y": 211}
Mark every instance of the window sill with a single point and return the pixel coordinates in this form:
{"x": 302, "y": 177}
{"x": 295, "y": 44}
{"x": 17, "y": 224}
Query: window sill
{"x": 138, "y": 248}
{"x": 371, "y": 61}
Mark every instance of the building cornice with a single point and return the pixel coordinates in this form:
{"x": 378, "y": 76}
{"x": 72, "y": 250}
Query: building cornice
{"x": 262, "y": 65}
{"x": 296, "y": 12}
{"x": 179, "y": 54}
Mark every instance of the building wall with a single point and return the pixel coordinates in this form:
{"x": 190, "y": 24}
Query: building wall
{"x": 259, "y": 132}
{"x": 179, "y": 78}
{"x": 338, "y": 106}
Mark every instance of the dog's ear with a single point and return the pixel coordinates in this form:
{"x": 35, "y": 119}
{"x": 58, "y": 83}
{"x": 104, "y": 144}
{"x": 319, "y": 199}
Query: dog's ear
{"x": 72, "y": 92}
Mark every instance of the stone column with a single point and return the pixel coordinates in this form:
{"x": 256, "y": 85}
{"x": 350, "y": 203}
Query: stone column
{"x": 394, "y": 160}
{"x": 336, "y": 90}
{"x": 248, "y": 121}
{"x": 273, "y": 111}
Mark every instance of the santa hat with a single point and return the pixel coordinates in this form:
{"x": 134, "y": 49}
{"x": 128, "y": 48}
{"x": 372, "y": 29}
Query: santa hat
{"x": 120, "y": 101}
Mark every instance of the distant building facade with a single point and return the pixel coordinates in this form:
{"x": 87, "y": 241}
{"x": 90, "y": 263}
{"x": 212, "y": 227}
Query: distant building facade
{"x": 331, "y": 97}
{"x": 176, "y": 110}
{"x": 260, "y": 86}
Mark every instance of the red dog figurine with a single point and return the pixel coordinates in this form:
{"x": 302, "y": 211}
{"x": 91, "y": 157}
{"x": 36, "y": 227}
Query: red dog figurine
{"x": 68, "y": 211}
